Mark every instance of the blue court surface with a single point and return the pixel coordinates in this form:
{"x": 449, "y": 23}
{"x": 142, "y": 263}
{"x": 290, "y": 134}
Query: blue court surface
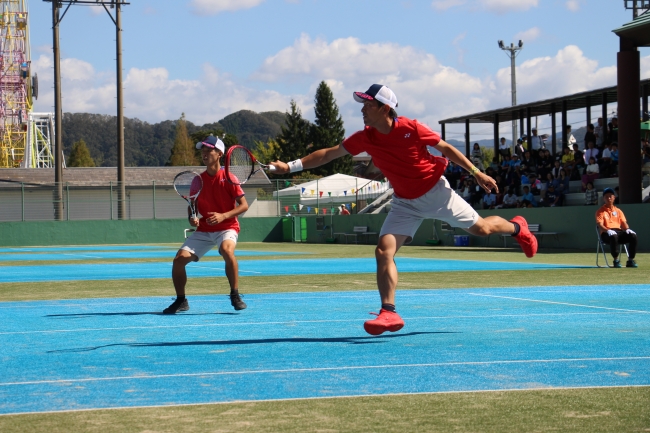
{"x": 116, "y": 271}
{"x": 106, "y": 353}
{"x": 108, "y": 255}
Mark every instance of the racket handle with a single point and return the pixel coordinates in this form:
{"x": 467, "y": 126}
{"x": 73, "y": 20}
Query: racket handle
{"x": 272, "y": 168}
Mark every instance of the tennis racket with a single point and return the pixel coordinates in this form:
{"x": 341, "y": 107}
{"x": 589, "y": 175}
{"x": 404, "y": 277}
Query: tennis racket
{"x": 188, "y": 185}
{"x": 241, "y": 165}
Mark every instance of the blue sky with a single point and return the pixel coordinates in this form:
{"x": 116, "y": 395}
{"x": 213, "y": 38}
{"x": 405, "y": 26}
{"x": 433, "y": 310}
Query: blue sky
{"x": 210, "y": 58}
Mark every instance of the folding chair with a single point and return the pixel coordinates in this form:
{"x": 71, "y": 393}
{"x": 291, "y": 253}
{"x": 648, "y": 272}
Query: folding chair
{"x": 601, "y": 247}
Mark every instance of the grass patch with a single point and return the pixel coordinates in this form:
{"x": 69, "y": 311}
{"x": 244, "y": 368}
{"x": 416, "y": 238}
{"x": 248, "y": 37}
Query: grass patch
{"x": 568, "y": 410}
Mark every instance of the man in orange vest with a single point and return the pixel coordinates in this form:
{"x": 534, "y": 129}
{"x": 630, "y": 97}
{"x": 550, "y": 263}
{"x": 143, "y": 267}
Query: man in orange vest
{"x": 614, "y": 229}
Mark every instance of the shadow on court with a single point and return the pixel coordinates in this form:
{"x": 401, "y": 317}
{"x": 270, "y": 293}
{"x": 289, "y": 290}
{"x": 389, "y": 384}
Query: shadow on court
{"x": 349, "y": 340}
{"x": 134, "y": 313}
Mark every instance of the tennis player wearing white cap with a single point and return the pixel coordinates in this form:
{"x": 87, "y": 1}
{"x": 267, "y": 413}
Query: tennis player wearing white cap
{"x": 219, "y": 203}
{"x": 398, "y": 147}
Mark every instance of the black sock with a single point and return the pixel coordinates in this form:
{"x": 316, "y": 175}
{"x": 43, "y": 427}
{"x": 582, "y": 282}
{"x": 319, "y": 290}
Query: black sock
{"x": 517, "y": 228}
{"x": 388, "y": 307}
{"x": 180, "y": 298}
{"x": 234, "y": 291}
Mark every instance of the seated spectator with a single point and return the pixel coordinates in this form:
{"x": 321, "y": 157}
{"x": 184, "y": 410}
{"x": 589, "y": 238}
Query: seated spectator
{"x": 514, "y": 162}
{"x": 524, "y": 178}
{"x": 578, "y": 162}
{"x": 513, "y": 178}
{"x": 567, "y": 159}
{"x": 528, "y": 163}
{"x": 591, "y": 195}
{"x": 591, "y": 173}
{"x": 489, "y": 200}
{"x": 555, "y": 171}
{"x": 534, "y": 184}
{"x": 553, "y": 198}
{"x": 527, "y": 198}
{"x": 544, "y": 183}
{"x": 591, "y": 152}
{"x": 465, "y": 191}
{"x": 510, "y": 199}
{"x": 477, "y": 192}
{"x": 495, "y": 164}
{"x": 563, "y": 182}
{"x": 614, "y": 229}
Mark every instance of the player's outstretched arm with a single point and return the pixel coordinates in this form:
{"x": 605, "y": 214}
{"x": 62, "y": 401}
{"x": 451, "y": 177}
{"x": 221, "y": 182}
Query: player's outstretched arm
{"x": 315, "y": 159}
{"x": 484, "y": 181}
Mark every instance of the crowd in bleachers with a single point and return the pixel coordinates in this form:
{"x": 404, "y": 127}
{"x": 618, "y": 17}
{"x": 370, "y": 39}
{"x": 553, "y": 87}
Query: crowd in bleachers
{"x": 532, "y": 176}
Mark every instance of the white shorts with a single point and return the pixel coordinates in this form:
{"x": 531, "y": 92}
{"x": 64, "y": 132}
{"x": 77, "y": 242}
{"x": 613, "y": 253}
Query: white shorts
{"x": 199, "y": 243}
{"x": 440, "y": 202}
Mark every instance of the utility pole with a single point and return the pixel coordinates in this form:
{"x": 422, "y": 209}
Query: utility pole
{"x": 512, "y": 51}
{"x": 58, "y": 113}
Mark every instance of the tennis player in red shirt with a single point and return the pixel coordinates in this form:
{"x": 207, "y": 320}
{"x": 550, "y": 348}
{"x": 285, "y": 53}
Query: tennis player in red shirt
{"x": 218, "y": 203}
{"x": 398, "y": 147}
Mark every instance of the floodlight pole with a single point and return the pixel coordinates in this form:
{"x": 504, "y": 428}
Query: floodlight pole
{"x": 512, "y": 52}
{"x": 121, "y": 213}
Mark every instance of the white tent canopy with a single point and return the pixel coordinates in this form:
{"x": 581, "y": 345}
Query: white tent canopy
{"x": 337, "y": 188}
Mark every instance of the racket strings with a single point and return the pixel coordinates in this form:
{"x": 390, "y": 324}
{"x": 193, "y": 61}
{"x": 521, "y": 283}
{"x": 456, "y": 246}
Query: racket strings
{"x": 240, "y": 164}
{"x": 188, "y": 185}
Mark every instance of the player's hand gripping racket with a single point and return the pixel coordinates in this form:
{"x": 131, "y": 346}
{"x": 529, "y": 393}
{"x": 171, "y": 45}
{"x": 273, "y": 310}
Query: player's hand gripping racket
{"x": 188, "y": 185}
{"x": 241, "y": 165}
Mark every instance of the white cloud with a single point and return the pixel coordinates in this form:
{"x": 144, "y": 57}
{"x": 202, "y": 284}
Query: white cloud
{"x": 213, "y": 7}
{"x": 503, "y": 6}
{"x": 495, "y": 6}
{"x": 573, "y": 5}
{"x": 150, "y": 94}
{"x": 443, "y": 5}
{"x": 528, "y": 35}
{"x": 426, "y": 89}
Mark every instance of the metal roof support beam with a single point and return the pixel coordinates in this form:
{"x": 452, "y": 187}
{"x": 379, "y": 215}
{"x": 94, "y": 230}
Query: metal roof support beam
{"x": 529, "y": 132}
{"x": 442, "y": 132}
{"x": 604, "y": 116}
{"x": 628, "y": 63}
{"x": 588, "y": 112}
{"x": 467, "y": 138}
{"x": 565, "y": 136}
{"x": 521, "y": 122}
{"x": 644, "y": 102}
{"x": 553, "y": 130}
{"x": 496, "y": 135}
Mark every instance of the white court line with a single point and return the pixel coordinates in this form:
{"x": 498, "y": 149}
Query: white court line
{"x": 562, "y": 303}
{"x": 221, "y": 269}
{"x": 81, "y": 255}
{"x": 354, "y": 396}
{"x": 295, "y": 322}
{"x": 341, "y": 368}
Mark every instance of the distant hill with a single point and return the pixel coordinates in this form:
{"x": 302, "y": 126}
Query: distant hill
{"x": 149, "y": 144}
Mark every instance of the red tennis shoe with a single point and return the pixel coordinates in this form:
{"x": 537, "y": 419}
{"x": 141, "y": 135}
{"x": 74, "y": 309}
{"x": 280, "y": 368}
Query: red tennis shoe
{"x": 385, "y": 321}
{"x": 525, "y": 238}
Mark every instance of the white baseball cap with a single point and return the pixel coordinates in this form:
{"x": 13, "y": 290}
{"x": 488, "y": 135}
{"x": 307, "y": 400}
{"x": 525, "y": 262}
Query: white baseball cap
{"x": 377, "y": 92}
{"x": 213, "y": 143}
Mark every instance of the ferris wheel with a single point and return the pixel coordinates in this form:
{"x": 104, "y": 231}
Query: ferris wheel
{"x": 25, "y": 137}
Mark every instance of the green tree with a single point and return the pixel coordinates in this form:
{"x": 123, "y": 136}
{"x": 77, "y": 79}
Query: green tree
{"x": 267, "y": 152}
{"x": 488, "y": 155}
{"x": 80, "y": 155}
{"x": 294, "y": 135}
{"x": 328, "y": 131}
{"x": 183, "y": 152}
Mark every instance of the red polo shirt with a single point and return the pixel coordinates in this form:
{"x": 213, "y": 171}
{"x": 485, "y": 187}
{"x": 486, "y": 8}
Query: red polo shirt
{"x": 402, "y": 155}
{"x": 217, "y": 195}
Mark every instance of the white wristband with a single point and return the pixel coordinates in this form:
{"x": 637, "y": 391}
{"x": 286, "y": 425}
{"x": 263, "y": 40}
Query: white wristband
{"x": 295, "y": 166}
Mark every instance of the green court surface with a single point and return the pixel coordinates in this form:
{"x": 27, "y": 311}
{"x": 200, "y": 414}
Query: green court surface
{"x": 575, "y": 409}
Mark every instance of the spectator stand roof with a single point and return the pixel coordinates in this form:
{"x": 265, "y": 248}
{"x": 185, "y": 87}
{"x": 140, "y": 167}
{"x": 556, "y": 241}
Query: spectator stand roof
{"x": 544, "y": 107}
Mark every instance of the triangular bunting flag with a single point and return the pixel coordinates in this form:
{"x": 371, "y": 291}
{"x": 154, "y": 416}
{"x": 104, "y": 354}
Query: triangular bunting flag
{"x": 308, "y": 209}
{"x": 353, "y": 205}
{"x": 300, "y": 206}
